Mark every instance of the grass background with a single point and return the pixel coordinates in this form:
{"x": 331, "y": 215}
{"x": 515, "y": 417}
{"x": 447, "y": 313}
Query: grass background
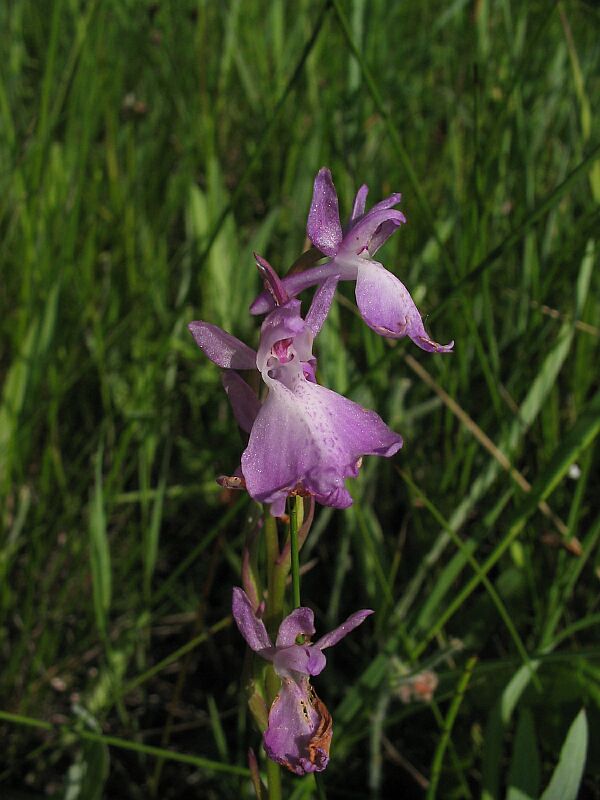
{"x": 145, "y": 150}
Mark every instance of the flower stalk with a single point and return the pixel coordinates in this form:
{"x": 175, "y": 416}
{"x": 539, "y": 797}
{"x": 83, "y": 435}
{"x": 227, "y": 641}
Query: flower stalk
{"x": 295, "y": 512}
{"x": 273, "y": 616}
{"x": 303, "y": 440}
{"x": 276, "y": 574}
{"x": 273, "y": 768}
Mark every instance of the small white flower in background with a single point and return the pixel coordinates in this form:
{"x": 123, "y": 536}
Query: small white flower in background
{"x": 574, "y": 472}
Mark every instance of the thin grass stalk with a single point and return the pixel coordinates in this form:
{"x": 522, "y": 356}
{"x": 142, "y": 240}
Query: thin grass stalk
{"x": 125, "y": 744}
{"x": 436, "y": 768}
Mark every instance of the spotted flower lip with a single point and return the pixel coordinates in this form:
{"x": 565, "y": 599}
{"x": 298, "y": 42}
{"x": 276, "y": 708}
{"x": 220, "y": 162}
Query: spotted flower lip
{"x": 300, "y": 727}
{"x": 384, "y": 302}
{"x": 304, "y": 438}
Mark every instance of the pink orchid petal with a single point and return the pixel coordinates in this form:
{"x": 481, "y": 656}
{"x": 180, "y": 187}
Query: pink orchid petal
{"x": 278, "y": 502}
{"x": 300, "y": 622}
{"x": 292, "y": 659}
{"x": 243, "y": 399}
{"x": 268, "y": 653}
{"x": 358, "y": 238}
{"x": 316, "y": 661}
{"x": 387, "y": 202}
{"x": 314, "y": 438}
{"x": 323, "y": 226}
{"x": 302, "y": 659}
{"x": 381, "y": 235}
{"x": 334, "y": 636}
{"x": 310, "y": 370}
{"x": 299, "y": 732}
{"x": 321, "y": 303}
{"x": 221, "y": 347}
{"x": 386, "y": 306}
{"x": 358, "y": 207}
{"x": 252, "y": 629}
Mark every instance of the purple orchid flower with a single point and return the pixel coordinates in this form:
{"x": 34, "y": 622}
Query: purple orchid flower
{"x": 299, "y": 732}
{"x": 304, "y": 438}
{"x": 384, "y": 302}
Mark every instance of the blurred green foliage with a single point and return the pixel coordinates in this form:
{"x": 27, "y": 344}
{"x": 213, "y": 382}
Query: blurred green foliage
{"x": 146, "y": 148}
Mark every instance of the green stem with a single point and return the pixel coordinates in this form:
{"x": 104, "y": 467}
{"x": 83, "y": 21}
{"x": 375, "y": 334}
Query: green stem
{"x": 295, "y": 558}
{"x": 275, "y": 575}
{"x": 273, "y": 616}
{"x": 274, "y": 780}
{"x": 273, "y": 685}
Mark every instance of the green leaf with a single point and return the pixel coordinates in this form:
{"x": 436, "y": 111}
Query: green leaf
{"x": 498, "y": 721}
{"x": 524, "y": 771}
{"x": 492, "y": 754}
{"x": 564, "y": 784}
{"x": 152, "y": 534}
{"x": 217, "y": 728}
{"x": 88, "y": 773}
{"x": 99, "y": 550}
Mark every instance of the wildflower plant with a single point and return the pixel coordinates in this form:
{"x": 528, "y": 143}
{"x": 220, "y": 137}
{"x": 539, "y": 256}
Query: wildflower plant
{"x": 304, "y": 441}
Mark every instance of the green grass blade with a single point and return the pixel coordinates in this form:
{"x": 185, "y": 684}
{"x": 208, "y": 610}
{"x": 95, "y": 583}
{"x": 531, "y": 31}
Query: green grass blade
{"x": 513, "y": 238}
{"x": 217, "y": 728}
{"x": 266, "y": 133}
{"x": 99, "y": 549}
{"x": 127, "y": 744}
{"x": 566, "y": 778}
{"x": 577, "y": 441}
{"x": 87, "y": 775}
{"x": 528, "y": 412}
{"x": 176, "y": 655}
{"x": 152, "y": 535}
{"x": 397, "y": 143}
{"x": 466, "y": 551}
{"x": 459, "y": 694}
{"x": 497, "y": 723}
{"x": 524, "y": 771}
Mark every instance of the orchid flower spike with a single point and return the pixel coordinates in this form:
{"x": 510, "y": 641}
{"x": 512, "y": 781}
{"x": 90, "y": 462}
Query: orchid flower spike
{"x": 304, "y": 438}
{"x": 299, "y": 731}
{"x": 384, "y": 302}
